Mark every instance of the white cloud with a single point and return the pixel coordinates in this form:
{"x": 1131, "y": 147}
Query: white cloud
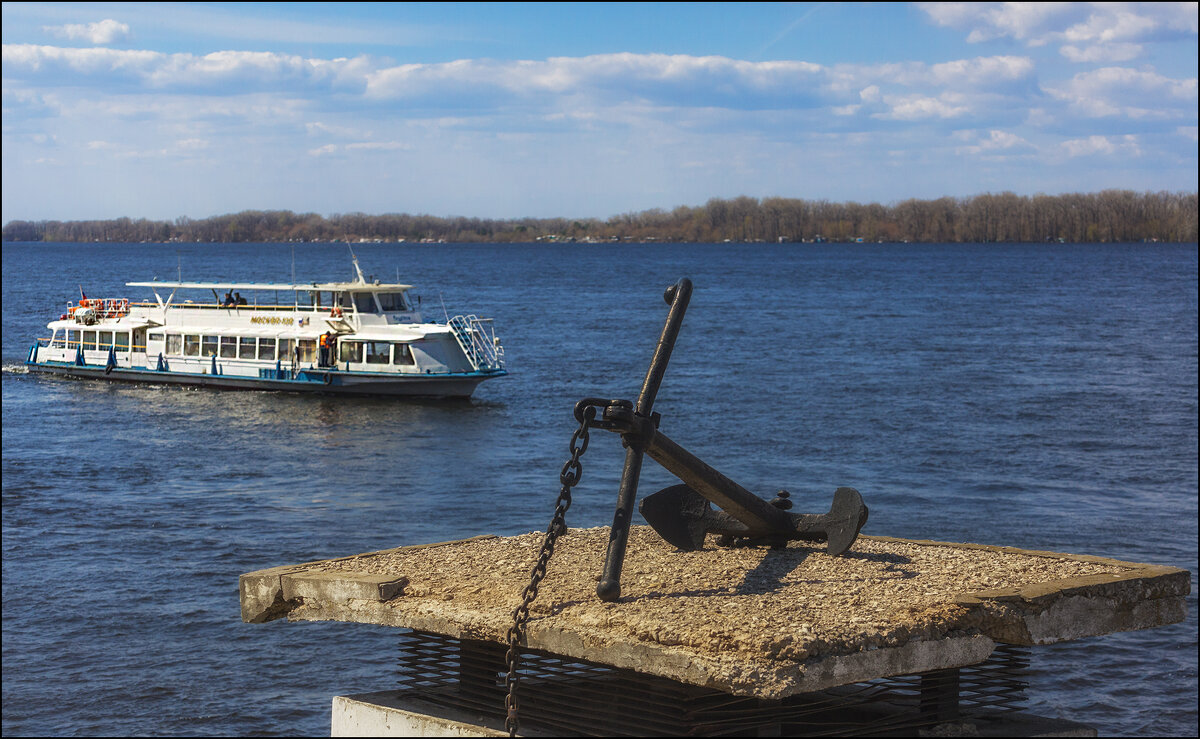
{"x": 157, "y": 70}
{"x": 107, "y": 31}
{"x": 1005, "y": 76}
{"x": 1088, "y": 32}
{"x": 997, "y": 142}
{"x": 917, "y": 107}
{"x": 378, "y": 146}
{"x": 1030, "y": 22}
{"x": 1101, "y": 145}
{"x": 1133, "y": 93}
{"x": 1102, "y": 52}
{"x": 574, "y": 87}
{"x": 656, "y": 77}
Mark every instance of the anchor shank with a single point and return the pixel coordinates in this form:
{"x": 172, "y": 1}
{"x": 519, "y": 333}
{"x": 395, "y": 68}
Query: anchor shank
{"x": 609, "y": 587}
{"x": 759, "y": 516}
{"x": 677, "y": 295}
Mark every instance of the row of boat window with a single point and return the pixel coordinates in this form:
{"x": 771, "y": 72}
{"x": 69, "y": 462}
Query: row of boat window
{"x": 257, "y": 347}
{"x": 105, "y": 340}
{"x": 240, "y": 347}
{"x": 235, "y": 347}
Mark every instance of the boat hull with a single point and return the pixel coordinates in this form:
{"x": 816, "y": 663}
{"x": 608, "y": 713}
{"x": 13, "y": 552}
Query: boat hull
{"x": 332, "y": 381}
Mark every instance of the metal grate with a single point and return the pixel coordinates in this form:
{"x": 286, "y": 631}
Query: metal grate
{"x": 572, "y": 697}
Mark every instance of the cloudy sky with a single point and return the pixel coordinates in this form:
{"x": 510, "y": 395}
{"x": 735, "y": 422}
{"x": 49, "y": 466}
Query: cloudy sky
{"x": 584, "y": 110}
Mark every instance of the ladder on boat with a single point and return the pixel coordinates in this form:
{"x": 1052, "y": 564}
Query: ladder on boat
{"x": 477, "y": 338}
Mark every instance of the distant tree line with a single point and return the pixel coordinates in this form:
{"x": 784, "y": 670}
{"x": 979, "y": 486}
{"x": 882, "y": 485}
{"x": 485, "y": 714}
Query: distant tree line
{"x": 1111, "y": 215}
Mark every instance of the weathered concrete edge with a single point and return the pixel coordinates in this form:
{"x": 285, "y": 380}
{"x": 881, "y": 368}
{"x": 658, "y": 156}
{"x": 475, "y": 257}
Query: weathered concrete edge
{"x": 766, "y": 678}
{"x": 264, "y": 597}
{"x": 1016, "y": 550}
{"x": 738, "y": 674}
{"x": 1074, "y": 607}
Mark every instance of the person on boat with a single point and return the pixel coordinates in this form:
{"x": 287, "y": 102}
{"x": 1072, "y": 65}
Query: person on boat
{"x": 238, "y": 299}
{"x": 325, "y": 342}
{"x": 228, "y": 301}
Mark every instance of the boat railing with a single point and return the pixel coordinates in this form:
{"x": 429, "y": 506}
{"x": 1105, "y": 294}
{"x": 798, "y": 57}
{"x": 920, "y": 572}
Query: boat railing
{"x": 477, "y": 338}
{"x": 334, "y": 311}
{"x": 103, "y": 307}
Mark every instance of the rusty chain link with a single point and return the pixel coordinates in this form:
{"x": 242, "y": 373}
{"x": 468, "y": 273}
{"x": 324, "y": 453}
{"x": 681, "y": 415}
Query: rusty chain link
{"x": 569, "y": 477}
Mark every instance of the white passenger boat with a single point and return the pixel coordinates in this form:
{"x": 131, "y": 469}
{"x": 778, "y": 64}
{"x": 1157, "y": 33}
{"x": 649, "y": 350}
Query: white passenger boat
{"x": 360, "y": 337}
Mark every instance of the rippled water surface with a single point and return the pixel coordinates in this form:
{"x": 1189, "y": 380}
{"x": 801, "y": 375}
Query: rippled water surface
{"x": 1040, "y": 397}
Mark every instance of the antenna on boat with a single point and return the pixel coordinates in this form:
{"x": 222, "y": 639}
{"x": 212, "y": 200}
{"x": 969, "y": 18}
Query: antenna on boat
{"x": 293, "y": 264}
{"x": 357, "y": 270}
{"x": 179, "y": 264}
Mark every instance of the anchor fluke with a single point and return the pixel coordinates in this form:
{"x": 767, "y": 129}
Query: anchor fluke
{"x": 845, "y": 519}
{"x": 679, "y": 515}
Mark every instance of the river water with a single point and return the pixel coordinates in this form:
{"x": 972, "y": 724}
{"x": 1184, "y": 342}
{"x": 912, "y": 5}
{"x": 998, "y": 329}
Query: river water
{"x": 1034, "y": 396}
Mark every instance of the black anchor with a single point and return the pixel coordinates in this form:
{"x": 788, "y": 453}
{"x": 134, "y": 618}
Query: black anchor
{"x": 683, "y": 514}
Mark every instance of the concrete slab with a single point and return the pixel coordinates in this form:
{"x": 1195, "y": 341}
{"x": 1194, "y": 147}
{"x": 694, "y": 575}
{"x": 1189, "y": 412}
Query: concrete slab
{"x": 762, "y": 622}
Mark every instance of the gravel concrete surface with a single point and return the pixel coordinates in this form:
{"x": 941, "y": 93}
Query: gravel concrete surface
{"x": 789, "y": 604}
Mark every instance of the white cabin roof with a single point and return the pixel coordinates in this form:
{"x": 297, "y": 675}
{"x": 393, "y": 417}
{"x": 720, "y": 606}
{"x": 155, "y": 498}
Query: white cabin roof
{"x": 374, "y": 287}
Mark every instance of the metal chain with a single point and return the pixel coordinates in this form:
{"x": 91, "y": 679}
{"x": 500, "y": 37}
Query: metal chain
{"x": 571, "y": 472}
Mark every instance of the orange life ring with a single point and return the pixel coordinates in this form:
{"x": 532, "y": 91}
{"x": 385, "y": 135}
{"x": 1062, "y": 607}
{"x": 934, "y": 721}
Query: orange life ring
{"x": 336, "y": 312}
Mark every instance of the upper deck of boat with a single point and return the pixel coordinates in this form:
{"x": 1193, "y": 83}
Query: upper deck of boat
{"x": 382, "y": 300}
{"x": 356, "y": 286}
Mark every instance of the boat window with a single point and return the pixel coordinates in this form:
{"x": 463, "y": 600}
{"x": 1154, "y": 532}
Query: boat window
{"x": 57, "y": 338}
{"x": 191, "y": 345}
{"x": 285, "y": 349}
{"x": 391, "y": 302}
{"x": 228, "y": 347}
{"x": 266, "y": 348}
{"x": 174, "y": 344}
{"x": 156, "y": 337}
{"x": 208, "y": 346}
{"x": 344, "y": 300}
{"x": 105, "y": 340}
{"x": 72, "y": 338}
{"x": 378, "y": 352}
{"x": 89, "y": 339}
{"x": 246, "y": 347}
{"x": 122, "y": 341}
{"x": 401, "y": 354}
{"x": 304, "y": 299}
{"x": 351, "y": 351}
{"x": 364, "y": 303}
{"x": 307, "y": 350}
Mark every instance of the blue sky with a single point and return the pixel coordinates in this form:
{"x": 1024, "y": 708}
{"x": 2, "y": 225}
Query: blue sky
{"x": 584, "y": 110}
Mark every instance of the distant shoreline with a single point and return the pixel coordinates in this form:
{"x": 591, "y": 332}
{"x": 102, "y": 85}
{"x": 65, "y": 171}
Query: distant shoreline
{"x": 1111, "y": 216}
{"x": 825, "y": 242}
